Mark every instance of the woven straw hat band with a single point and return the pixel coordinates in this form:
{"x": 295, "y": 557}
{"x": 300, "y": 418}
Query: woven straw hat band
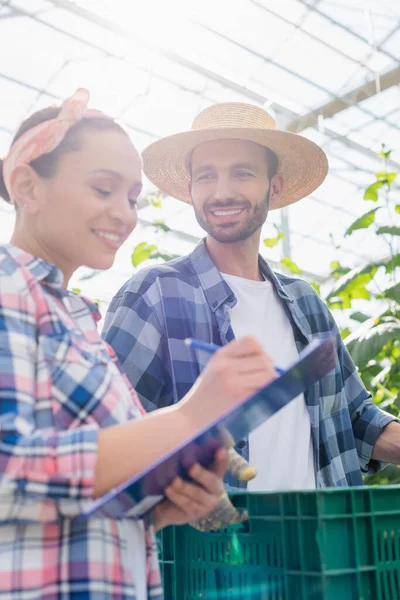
{"x": 231, "y": 115}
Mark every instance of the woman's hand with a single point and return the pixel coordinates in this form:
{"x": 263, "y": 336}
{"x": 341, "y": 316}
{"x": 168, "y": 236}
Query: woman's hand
{"x": 232, "y": 374}
{"x": 191, "y": 501}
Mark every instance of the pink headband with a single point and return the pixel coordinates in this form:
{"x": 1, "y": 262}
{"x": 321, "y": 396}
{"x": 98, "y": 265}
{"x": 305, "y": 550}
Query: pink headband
{"x": 45, "y": 137}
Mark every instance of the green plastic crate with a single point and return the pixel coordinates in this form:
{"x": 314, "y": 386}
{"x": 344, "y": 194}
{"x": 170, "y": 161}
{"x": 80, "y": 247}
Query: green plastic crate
{"x": 332, "y": 544}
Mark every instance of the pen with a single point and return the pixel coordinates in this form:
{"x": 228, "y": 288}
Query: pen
{"x": 211, "y": 348}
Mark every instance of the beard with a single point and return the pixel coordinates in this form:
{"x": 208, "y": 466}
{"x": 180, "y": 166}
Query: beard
{"x": 230, "y": 233}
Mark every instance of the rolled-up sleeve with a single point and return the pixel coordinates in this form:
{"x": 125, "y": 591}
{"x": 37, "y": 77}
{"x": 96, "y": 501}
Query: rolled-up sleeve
{"x": 367, "y": 419}
{"x": 44, "y": 473}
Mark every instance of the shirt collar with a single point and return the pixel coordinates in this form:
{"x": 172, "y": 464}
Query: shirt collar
{"x": 49, "y": 274}
{"x": 269, "y": 274}
{"x": 37, "y": 267}
{"x": 215, "y": 288}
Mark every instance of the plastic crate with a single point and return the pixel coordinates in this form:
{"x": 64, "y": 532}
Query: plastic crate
{"x": 332, "y": 544}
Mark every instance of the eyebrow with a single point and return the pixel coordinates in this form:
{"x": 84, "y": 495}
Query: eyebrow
{"x": 234, "y": 166}
{"x": 107, "y": 172}
{"x": 137, "y": 187}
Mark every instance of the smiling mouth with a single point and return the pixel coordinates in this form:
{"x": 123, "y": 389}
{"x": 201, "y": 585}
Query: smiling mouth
{"x": 112, "y": 240}
{"x": 226, "y": 212}
{"x": 108, "y": 236}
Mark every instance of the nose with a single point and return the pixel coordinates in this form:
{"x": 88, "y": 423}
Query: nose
{"x": 223, "y": 188}
{"x": 123, "y": 212}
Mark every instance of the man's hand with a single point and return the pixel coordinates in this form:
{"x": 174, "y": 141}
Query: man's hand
{"x": 186, "y": 501}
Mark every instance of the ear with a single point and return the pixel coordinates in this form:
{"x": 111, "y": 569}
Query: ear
{"x": 276, "y": 187}
{"x": 24, "y": 188}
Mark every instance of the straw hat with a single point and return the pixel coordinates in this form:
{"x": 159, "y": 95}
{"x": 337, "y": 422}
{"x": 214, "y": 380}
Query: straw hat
{"x": 302, "y": 164}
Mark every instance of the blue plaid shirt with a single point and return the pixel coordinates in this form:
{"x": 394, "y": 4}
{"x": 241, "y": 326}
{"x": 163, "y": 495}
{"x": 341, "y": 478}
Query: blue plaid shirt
{"x": 162, "y": 305}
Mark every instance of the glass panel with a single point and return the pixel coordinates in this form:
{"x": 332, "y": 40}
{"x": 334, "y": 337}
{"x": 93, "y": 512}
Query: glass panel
{"x": 330, "y": 33}
{"x": 383, "y": 103}
{"x": 392, "y": 46}
{"x": 315, "y": 62}
{"x": 354, "y": 16}
{"x": 292, "y": 10}
{"x": 17, "y": 99}
{"x": 33, "y": 6}
{"x": 291, "y": 86}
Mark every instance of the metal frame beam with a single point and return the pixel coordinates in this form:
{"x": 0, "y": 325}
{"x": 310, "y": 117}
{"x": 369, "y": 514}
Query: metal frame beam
{"x": 346, "y": 28}
{"x": 250, "y": 94}
{"x": 351, "y": 97}
{"x": 309, "y": 34}
{"x": 287, "y": 115}
{"x": 41, "y": 91}
{"x": 367, "y": 90}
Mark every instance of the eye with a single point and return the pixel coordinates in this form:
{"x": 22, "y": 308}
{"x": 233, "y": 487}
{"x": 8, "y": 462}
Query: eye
{"x": 244, "y": 174}
{"x": 102, "y": 192}
{"x": 205, "y": 176}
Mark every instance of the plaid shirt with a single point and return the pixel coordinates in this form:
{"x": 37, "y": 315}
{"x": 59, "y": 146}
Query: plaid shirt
{"x": 161, "y": 306}
{"x": 59, "y": 383}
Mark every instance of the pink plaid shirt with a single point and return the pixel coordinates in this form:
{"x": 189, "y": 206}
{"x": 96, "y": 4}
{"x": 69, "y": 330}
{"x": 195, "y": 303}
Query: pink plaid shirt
{"x": 59, "y": 383}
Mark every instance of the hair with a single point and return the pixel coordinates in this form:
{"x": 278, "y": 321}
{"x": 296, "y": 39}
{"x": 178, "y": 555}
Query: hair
{"x": 272, "y": 162}
{"x": 46, "y": 164}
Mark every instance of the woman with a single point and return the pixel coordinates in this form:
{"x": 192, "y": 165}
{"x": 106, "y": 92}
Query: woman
{"x": 71, "y": 427}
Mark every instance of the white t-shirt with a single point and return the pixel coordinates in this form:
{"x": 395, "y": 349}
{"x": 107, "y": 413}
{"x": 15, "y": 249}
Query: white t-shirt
{"x": 281, "y": 449}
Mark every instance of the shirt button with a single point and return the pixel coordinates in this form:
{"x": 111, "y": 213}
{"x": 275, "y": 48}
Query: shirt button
{"x": 241, "y": 444}
{"x": 215, "y": 303}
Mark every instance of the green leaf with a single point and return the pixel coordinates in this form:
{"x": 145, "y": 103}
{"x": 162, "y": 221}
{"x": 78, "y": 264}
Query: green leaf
{"x": 76, "y": 290}
{"x": 369, "y": 339}
{"x": 390, "y": 475}
{"x": 385, "y": 153}
{"x": 337, "y": 302}
{"x": 160, "y": 225}
{"x": 360, "y": 292}
{"x": 362, "y": 222}
{"x": 337, "y": 270}
{"x": 388, "y": 178}
{"x": 392, "y": 293}
{"x": 359, "y": 316}
{"x": 371, "y": 193}
{"x": 156, "y": 199}
{"x": 345, "y": 332}
{"x": 290, "y": 265}
{"x": 387, "y": 230}
{"x": 391, "y": 263}
{"x": 397, "y": 209}
{"x": 142, "y": 252}
{"x": 271, "y": 242}
{"x": 352, "y": 285}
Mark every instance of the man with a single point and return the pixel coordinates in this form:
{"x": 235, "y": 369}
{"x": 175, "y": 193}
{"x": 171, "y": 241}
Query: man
{"x": 234, "y": 166}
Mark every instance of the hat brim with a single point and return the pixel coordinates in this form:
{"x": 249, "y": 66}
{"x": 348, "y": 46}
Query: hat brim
{"x": 302, "y": 164}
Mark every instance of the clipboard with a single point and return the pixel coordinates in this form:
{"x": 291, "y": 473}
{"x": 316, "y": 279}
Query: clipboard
{"x": 140, "y": 494}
